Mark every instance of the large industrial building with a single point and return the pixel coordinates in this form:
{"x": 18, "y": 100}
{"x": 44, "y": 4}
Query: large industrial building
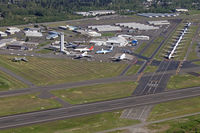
{"x": 4, "y": 42}
{"x": 156, "y": 15}
{"x": 104, "y": 28}
{"x": 159, "y": 23}
{"x": 90, "y": 33}
{"x": 12, "y": 30}
{"x": 3, "y": 34}
{"x": 113, "y": 41}
{"x": 96, "y": 13}
{"x": 137, "y": 26}
{"x": 33, "y": 34}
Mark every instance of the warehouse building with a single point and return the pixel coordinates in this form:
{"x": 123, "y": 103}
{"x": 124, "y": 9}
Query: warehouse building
{"x": 89, "y": 33}
{"x": 12, "y": 30}
{"x": 137, "y": 26}
{"x": 33, "y": 34}
{"x": 17, "y": 45}
{"x": 96, "y": 13}
{"x": 3, "y": 34}
{"x": 117, "y": 41}
{"x": 156, "y": 15}
{"x": 159, "y": 23}
{"x": 4, "y": 42}
{"x": 182, "y": 10}
{"x": 141, "y": 37}
{"x": 105, "y": 28}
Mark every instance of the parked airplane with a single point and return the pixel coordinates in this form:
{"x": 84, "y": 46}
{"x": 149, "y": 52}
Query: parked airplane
{"x": 119, "y": 58}
{"x": 104, "y": 51}
{"x": 84, "y": 49}
{"x": 20, "y": 59}
{"x": 71, "y": 45}
{"x": 85, "y": 54}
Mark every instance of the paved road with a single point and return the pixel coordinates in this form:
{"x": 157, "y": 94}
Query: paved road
{"x": 98, "y": 107}
{"x": 16, "y": 76}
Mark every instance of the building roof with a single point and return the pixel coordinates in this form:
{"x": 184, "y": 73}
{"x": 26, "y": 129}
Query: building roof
{"x": 102, "y": 28}
{"x": 158, "y": 14}
{"x": 138, "y": 26}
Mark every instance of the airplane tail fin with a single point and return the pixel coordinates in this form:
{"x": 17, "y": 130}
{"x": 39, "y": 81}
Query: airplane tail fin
{"x": 111, "y": 48}
{"x": 91, "y": 48}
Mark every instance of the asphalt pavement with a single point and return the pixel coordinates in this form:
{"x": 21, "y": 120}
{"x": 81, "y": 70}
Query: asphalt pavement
{"x": 93, "y": 108}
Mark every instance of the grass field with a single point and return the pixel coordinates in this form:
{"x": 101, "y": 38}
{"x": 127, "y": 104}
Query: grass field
{"x": 86, "y": 124}
{"x": 175, "y": 108}
{"x": 153, "y": 46}
{"x": 133, "y": 70}
{"x": 119, "y": 131}
{"x": 46, "y": 71}
{"x": 7, "y": 82}
{"x": 183, "y": 81}
{"x": 25, "y": 103}
{"x": 150, "y": 69}
{"x": 183, "y": 125}
{"x": 96, "y": 92}
{"x": 193, "y": 52}
{"x": 197, "y": 62}
{"x": 140, "y": 48}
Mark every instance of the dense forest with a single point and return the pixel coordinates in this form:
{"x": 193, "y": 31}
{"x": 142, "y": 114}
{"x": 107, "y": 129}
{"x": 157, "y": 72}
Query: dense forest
{"x": 31, "y": 11}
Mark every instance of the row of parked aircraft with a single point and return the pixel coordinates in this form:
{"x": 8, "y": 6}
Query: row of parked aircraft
{"x": 178, "y": 42}
{"x": 84, "y": 52}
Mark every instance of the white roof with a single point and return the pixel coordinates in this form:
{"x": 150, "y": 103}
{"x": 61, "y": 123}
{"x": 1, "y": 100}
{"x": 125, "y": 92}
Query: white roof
{"x": 33, "y": 33}
{"x": 138, "y": 26}
{"x": 161, "y": 22}
{"x": 2, "y": 33}
{"x": 105, "y": 28}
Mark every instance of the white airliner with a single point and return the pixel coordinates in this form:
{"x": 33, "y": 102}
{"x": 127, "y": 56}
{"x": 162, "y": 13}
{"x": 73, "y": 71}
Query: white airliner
{"x": 84, "y": 49}
{"x": 104, "y": 51}
{"x": 85, "y": 54}
{"x": 119, "y": 58}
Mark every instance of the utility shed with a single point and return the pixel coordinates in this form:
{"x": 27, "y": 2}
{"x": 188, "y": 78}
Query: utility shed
{"x": 104, "y": 28}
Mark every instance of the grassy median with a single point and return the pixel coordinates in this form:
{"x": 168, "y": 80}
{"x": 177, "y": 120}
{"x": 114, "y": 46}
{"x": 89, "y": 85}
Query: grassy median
{"x": 7, "y": 82}
{"x": 96, "y": 92}
{"x": 25, "y": 103}
{"x": 175, "y": 108}
{"x": 183, "y": 81}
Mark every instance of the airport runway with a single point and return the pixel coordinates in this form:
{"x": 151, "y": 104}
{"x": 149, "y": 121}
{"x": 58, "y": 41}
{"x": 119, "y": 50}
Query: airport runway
{"x": 98, "y": 107}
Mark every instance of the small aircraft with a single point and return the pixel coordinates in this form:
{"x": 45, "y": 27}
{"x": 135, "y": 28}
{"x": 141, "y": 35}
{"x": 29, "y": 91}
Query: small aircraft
{"x": 85, "y": 54}
{"x": 119, "y": 58}
{"x": 104, "y": 51}
{"x": 20, "y": 59}
{"x": 71, "y": 45}
{"x": 84, "y": 49}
